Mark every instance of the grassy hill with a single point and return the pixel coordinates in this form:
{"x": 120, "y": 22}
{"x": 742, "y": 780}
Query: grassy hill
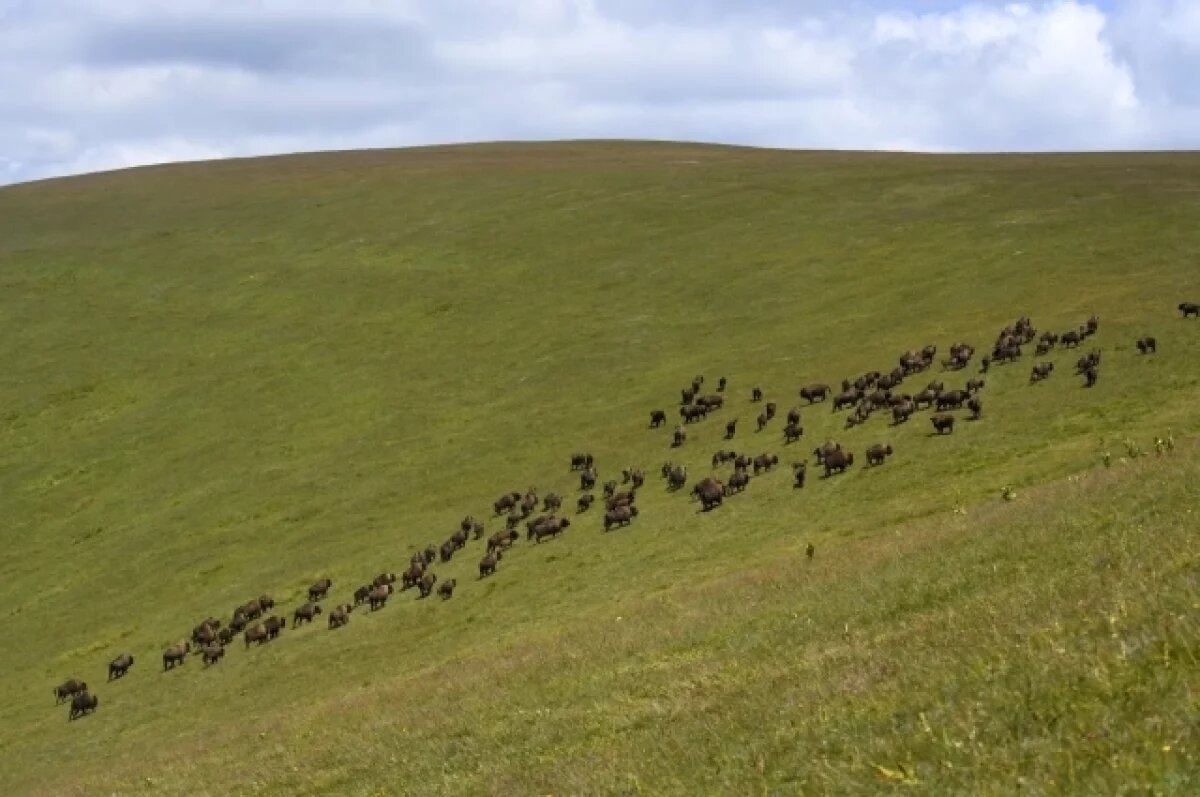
{"x": 233, "y": 378}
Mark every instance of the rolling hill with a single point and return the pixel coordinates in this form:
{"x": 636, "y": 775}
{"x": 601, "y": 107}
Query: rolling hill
{"x": 231, "y": 378}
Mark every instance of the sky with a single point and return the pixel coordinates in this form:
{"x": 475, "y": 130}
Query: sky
{"x": 88, "y": 85}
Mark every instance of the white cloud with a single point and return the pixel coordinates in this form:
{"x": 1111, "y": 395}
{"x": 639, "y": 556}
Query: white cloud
{"x": 107, "y": 83}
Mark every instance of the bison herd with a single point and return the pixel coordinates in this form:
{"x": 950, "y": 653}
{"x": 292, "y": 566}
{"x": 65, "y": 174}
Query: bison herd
{"x": 866, "y": 394}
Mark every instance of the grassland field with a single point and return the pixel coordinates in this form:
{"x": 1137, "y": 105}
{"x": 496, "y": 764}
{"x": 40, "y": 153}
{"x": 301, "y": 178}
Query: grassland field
{"x": 230, "y": 378}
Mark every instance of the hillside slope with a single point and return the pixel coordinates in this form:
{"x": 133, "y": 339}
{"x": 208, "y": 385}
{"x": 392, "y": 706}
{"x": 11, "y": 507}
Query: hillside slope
{"x": 224, "y": 379}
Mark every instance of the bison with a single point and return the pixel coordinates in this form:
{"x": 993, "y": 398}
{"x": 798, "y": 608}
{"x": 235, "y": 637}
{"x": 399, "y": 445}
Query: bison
{"x": 81, "y": 704}
{"x": 120, "y": 665}
{"x": 377, "y": 598}
{"x": 506, "y": 502}
{"x": 176, "y": 654}
{"x": 587, "y": 479}
{"x": 621, "y": 516}
{"x": 305, "y": 614}
{"x": 975, "y": 405}
{"x": 676, "y": 477}
{"x": 552, "y": 528}
{"x": 1190, "y": 309}
{"x": 824, "y": 450}
{"x": 837, "y": 462}
{"x": 730, "y": 429}
{"x": 340, "y": 615}
{"x": 584, "y": 503}
{"x": 319, "y": 589}
{"x": 813, "y": 393}
{"x": 943, "y": 424}
{"x": 446, "y": 589}
{"x": 679, "y": 437}
{"x": 756, "y": 394}
{"x": 487, "y": 565}
{"x": 425, "y": 586}
{"x": 738, "y": 481}
{"x": 710, "y": 491}
{"x": 68, "y": 688}
{"x": 877, "y": 453}
{"x": 799, "y": 473}
{"x": 792, "y": 432}
{"x": 213, "y": 653}
{"x": 581, "y": 461}
{"x": 974, "y": 385}
{"x": 657, "y": 418}
{"x": 765, "y": 462}
{"x": 1147, "y": 344}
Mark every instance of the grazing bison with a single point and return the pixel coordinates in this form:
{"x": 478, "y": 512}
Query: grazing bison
{"x": 1147, "y": 344}
{"x": 225, "y": 636}
{"x": 363, "y": 593}
{"x": 730, "y": 429}
{"x": 743, "y": 462}
{"x": 621, "y": 516}
{"x": 1190, "y": 309}
{"x": 722, "y": 456}
{"x": 974, "y": 385}
{"x": 120, "y": 665}
{"x": 502, "y": 540}
{"x": 902, "y": 411}
{"x": 792, "y": 432}
{"x": 213, "y": 653}
{"x": 757, "y": 395}
{"x": 943, "y": 424}
{"x": 551, "y": 502}
{"x": 693, "y": 412}
{"x": 584, "y": 503}
{"x": 587, "y": 479}
{"x": 737, "y": 482}
{"x": 305, "y": 614}
{"x": 446, "y": 590}
{"x": 81, "y": 704}
{"x": 837, "y": 462}
{"x": 624, "y": 497}
{"x": 1070, "y": 339}
{"x": 710, "y": 491}
{"x": 176, "y": 654}
{"x": 677, "y": 477}
{"x": 1040, "y": 371}
{"x": 812, "y": 393}
{"x": 319, "y": 589}
{"x": 711, "y": 402}
{"x": 1090, "y": 360}
{"x": 925, "y": 398}
{"x": 877, "y": 453}
{"x": 68, "y": 688}
{"x": 657, "y": 418}
{"x": 378, "y": 596}
{"x": 799, "y": 473}
{"x": 340, "y": 615}
{"x": 679, "y": 437}
{"x": 846, "y": 398}
{"x": 530, "y": 501}
{"x": 506, "y": 502}
{"x": 383, "y": 578}
{"x": 425, "y": 586}
{"x": 487, "y": 565}
{"x": 975, "y": 405}
{"x": 274, "y": 625}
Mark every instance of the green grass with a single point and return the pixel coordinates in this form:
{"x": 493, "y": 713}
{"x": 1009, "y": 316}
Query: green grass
{"x": 223, "y": 379}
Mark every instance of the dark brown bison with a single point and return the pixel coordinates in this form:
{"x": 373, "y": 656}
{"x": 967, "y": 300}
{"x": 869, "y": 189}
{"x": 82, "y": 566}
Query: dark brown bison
{"x": 1147, "y": 344}
{"x": 1069, "y": 339}
{"x": 204, "y": 634}
{"x": 721, "y": 383}
{"x": 686, "y": 395}
{"x": 551, "y": 528}
{"x": 710, "y": 491}
{"x": 581, "y": 461}
{"x": 256, "y": 633}
{"x": 743, "y": 461}
{"x": 363, "y": 593}
{"x": 378, "y": 596}
{"x": 584, "y": 503}
{"x": 530, "y": 502}
{"x": 738, "y": 481}
{"x": 693, "y": 412}
{"x": 792, "y": 432}
{"x": 551, "y": 502}
{"x": 722, "y": 456}
{"x": 383, "y": 578}
{"x": 763, "y": 420}
{"x": 770, "y": 410}
{"x": 1040, "y": 371}
{"x": 502, "y": 540}
{"x": 251, "y": 610}
{"x": 176, "y": 654}
{"x": 1091, "y": 374}
{"x": 711, "y": 402}
{"x": 637, "y": 478}
{"x": 305, "y": 614}
{"x": 446, "y": 552}
{"x": 799, "y": 473}
{"x": 239, "y": 620}
{"x": 677, "y": 477}
{"x": 621, "y": 516}
{"x": 657, "y": 418}
{"x": 506, "y": 502}
{"x": 446, "y": 589}
{"x": 274, "y": 625}
{"x": 81, "y": 704}
{"x": 119, "y": 666}
{"x": 952, "y": 399}
{"x": 623, "y": 497}
{"x": 1190, "y": 309}
{"x": 975, "y": 405}
{"x": 812, "y": 393}
{"x": 610, "y": 487}
{"x": 825, "y": 449}
{"x": 756, "y": 394}
{"x": 925, "y": 398}
{"x": 487, "y": 565}
{"x": 730, "y": 429}
{"x": 319, "y": 589}
{"x": 877, "y": 453}
{"x": 425, "y": 586}
{"x": 846, "y": 398}
{"x": 902, "y": 411}
{"x": 679, "y": 437}
{"x": 69, "y": 687}
{"x": 974, "y": 385}
{"x": 837, "y": 462}
{"x": 513, "y": 519}
{"x": 943, "y": 424}
{"x": 212, "y": 654}
{"x": 1089, "y": 360}
{"x": 225, "y": 636}
{"x": 340, "y": 616}
{"x": 411, "y": 576}
{"x": 587, "y": 479}
{"x": 765, "y": 462}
